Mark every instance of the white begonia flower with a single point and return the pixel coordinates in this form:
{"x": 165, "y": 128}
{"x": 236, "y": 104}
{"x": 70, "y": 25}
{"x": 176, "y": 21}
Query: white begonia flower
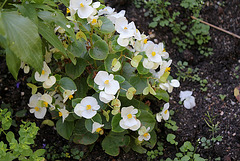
{"x": 63, "y": 113}
{"x": 169, "y": 85}
{"x": 129, "y": 120}
{"x": 49, "y": 82}
{"x": 83, "y": 8}
{"x": 96, "y": 4}
{"x": 106, "y": 82}
{"x": 164, "y": 67}
{"x": 47, "y": 99}
{"x": 164, "y": 114}
{"x": 44, "y": 74}
{"x": 140, "y": 44}
{"x": 115, "y": 16}
{"x": 189, "y": 100}
{"x": 96, "y": 127}
{"x": 106, "y": 10}
{"x": 106, "y": 98}
{"x": 143, "y": 134}
{"x": 87, "y": 108}
{"x": 36, "y": 106}
{"x": 68, "y": 94}
{"x": 92, "y": 20}
{"x": 148, "y": 64}
{"x": 162, "y": 50}
{"x": 125, "y": 29}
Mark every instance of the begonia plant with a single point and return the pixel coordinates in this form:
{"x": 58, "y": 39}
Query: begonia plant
{"x": 91, "y": 69}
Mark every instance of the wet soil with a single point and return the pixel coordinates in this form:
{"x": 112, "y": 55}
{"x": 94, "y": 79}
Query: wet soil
{"x": 219, "y": 69}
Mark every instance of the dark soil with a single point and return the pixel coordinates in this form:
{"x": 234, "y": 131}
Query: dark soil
{"x": 218, "y": 69}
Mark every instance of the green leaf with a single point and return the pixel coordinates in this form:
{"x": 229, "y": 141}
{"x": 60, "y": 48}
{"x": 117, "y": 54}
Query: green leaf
{"x": 50, "y": 36}
{"x": 78, "y": 48}
{"x": 28, "y": 10}
{"x": 115, "y": 123}
{"x": 67, "y": 83}
{"x": 47, "y": 122}
{"x": 34, "y": 88}
{"x": 74, "y": 71}
{"x": 115, "y": 46}
{"x": 65, "y": 129}
{"x": 153, "y": 140}
{"x": 134, "y": 102}
{"x": 10, "y": 136}
{"x": 108, "y": 62}
{"x": 138, "y": 83}
{"x": 185, "y": 158}
{"x": 107, "y": 25}
{"x": 23, "y": 39}
{"x": 13, "y": 63}
{"x": 21, "y": 113}
{"x": 137, "y": 148}
{"x": 82, "y": 87}
{"x": 99, "y": 51}
{"x": 89, "y": 122}
{"x": 170, "y": 138}
{"x": 147, "y": 119}
{"x": 39, "y": 152}
{"x": 153, "y": 24}
{"x": 141, "y": 69}
{"x": 161, "y": 94}
{"x": 112, "y": 142}
{"x": 81, "y": 135}
{"x": 119, "y": 78}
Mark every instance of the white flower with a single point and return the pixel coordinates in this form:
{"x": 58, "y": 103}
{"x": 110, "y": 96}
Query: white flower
{"x": 169, "y": 85}
{"x": 36, "y": 106}
{"x": 162, "y": 51}
{"x": 63, "y": 113}
{"x": 143, "y": 134}
{"x": 58, "y": 101}
{"x": 96, "y": 127}
{"x": 164, "y": 67}
{"x": 83, "y": 8}
{"x": 49, "y": 82}
{"x": 124, "y": 29}
{"x": 153, "y": 52}
{"x": 164, "y": 114}
{"x": 68, "y": 94}
{"x": 106, "y": 10}
{"x": 47, "y": 99}
{"x": 129, "y": 120}
{"x": 87, "y": 108}
{"x": 44, "y": 74}
{"x": 106, "y": 82}
{"x": 189, "y": 100}
{"x": 106, "y": 98}
{"x": 115, "y": 16}
{"x": 92, "y": 19}
{"x": 123, "y": 41}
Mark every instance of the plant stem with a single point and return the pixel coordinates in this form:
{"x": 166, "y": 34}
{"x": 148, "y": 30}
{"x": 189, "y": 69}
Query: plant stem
{"x": 3, "y": 4}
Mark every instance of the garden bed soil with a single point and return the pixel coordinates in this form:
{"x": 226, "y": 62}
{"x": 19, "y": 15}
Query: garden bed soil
{"x": 219, "y": 69}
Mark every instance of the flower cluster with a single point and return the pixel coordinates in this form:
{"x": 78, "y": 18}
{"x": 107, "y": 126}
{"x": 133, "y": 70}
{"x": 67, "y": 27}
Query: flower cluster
{"x": 108, "y": 62}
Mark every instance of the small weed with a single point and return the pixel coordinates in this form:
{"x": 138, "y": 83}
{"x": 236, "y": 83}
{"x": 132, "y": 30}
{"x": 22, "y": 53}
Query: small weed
{"x": 222, "y": 96}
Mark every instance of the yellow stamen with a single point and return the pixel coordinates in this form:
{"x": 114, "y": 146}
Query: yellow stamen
{"x": 167, "y": 69}
{"x": 98, "y": 130}
{"x": 166, "y": 111}
{"x": 146, "y": 134}
{"x": 70, "y": 97}
{"x": 153, "y": 53}
{"x": 60, "y": 114}
{"x": 43, "y": 72}
{"x": 164, "y": 50}
{"x": 68, "y": 10}
{"x": 89, "y": 107}
{"x": 137, "y": 30}
{"x": 94, "y": 21}
{"x": 105, "y": 10}
{"x": 36, "y": 109}
{"x": 106, "y": 82}
{"x": 125, "y": 28}
{"x": 81, "y": 5}
{"x": 145, "y": 41}
{"x": 129, "y": 116}
{"x": 45, "y": 104}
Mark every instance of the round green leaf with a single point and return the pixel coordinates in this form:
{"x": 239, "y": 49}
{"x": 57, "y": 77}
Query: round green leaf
{"x": 67, "y": 83}
{"x": 75, "y": 71}
{"x": 138, "y": 83}
{"x": 107, "y": 25}
{"x": 99, "y": 51}
{"x": 65, "y": 129}
{"x": 115, "y": 123}
{"x": 108, "y": 62}
{"x": 119, "y": 78}
{"x": 147, "y": 119}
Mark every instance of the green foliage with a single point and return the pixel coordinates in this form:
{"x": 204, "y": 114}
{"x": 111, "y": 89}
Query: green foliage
{"x": 188, "y": 33}
{"x": 18, "y": 148}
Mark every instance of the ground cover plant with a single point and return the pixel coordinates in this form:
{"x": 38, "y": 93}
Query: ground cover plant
{"x": 169, "y": 132}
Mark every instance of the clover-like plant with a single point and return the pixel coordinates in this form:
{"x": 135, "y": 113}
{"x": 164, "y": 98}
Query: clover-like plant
{"x": 91, "y": 69}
